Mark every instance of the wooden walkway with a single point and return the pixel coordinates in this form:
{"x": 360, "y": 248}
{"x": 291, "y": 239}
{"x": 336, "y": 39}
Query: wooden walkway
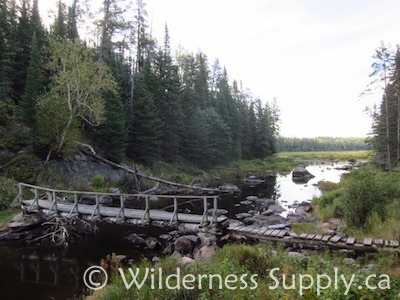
{"x": 315, "y": 240}
{"x": 67, "y": 204}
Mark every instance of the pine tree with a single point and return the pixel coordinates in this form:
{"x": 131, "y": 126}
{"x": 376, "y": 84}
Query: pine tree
{"x": 144, "y": 146}
{"x": 167, "y": 92}
{"x": 34, "y": 85}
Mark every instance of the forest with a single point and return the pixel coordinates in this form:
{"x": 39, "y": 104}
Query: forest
{"x": 120, "y": 90}
{"x": 293, "y": 144}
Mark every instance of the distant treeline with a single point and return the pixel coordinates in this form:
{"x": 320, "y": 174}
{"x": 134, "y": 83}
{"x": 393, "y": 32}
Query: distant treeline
{"x": 321, "y": 144}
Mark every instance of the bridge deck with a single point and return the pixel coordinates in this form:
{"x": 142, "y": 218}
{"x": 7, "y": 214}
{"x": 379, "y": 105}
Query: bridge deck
{"x": 312, "y": 240}
{"x": 107, "y": 211}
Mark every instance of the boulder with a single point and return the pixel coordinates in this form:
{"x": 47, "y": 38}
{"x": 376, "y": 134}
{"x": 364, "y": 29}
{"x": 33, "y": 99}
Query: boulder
{"x": 301, "y": 174}
{"x": 276, "y": 208}
{"x": 206, "y": 253}
{"x": 231, "y": 188}
{"x": 184, "y": 244}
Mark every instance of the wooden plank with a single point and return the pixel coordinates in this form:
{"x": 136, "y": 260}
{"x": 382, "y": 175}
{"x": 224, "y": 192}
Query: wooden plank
{"x": 379, "y": 242}
{"x": 335, "y": 239}
{"x": 394, "y": 243}
{"x": 367, "y": 241}
{"x": 247, "y": 229}
{"x": 326, "y": 238}
{"x": 268, "y": 232}
{"x": 303, "y": 235}
{"x": 318, "y": 237}
{"x": 275, "y": 233}
{"x": 351, "y": 240}
{"x": 262, "y": 230}
{"x": 255, "y": 230}
{"x": 282, "y": 233}
{"x": 310, "y": 236}
{"x": 293, "y": 234}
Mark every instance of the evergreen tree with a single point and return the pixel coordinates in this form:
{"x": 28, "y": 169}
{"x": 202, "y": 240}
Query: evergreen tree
{"x": 168, "y": 100}
{"x": 33, "y": 87}
{"x": 59, "y": 27}
{"x": 144, "y": 145}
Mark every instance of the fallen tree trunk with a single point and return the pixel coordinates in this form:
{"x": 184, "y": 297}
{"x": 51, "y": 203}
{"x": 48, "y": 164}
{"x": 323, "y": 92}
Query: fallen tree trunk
{"x": 137, "y": 173}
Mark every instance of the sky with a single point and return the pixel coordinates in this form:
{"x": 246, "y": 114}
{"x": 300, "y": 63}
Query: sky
{"x": 313, "y": 56}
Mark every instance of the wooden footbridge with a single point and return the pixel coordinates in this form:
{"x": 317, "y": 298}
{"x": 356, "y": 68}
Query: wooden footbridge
{"x": 67, "y": 204}
{"x": 314, "y": 241}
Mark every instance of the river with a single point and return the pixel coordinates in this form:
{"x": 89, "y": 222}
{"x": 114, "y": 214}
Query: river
{"x": 39, "y": 272}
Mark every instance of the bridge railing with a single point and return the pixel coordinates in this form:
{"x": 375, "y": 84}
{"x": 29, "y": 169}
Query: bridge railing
{"x": 57, "y": 197}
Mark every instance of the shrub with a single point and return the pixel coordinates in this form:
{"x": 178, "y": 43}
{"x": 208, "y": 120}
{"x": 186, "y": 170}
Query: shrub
{"x": 368, "y": 192}
{"x": 8, "y": 192}
{"x": 99, "y": 181}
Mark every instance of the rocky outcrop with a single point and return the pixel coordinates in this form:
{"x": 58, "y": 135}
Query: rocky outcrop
{"x": 81, "y": 168}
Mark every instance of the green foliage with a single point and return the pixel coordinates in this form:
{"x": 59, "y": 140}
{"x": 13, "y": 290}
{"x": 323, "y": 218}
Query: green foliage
{"x": 368, "y": 192}
{"x": 8, "y": 192}
{"x": 99, "y": 181}
{"x": 24, "y": 168}
{"x": 52, "y": 117}
{"x": 257, "y": 260}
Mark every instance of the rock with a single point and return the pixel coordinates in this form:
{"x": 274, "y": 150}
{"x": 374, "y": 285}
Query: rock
{"x": 246, "y": 202}
{"x": 186, "y": 260}
{"x": 183, "y": 245}
{"x": 152, "y": 243}
{"x": 301, "y": 174}
{"x": 243, "y": 215}
{"x": 295, "y": 218}
{"x": 206, "y": 253}
{"x": 207, "y": 238}
{"x": 87, "y": 199}
{"x": 220, "y": 212}
{"x": 229, "y": 187}
{"x": 166, "y": 237}
{"x": 306, "y": 206}
{"x": 136, "y": 240}
{"x": 276, "y": 208}
{"x": 264, "y": 202}
{"x": 251, "y": 198}
{"x": 105, "y": 199}
{"x": 273, "y": 220}
{"x": 267, "y": 212}
{"x": 252, "y": 221}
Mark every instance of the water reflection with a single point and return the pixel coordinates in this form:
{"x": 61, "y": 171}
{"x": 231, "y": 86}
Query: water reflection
{"x": 289, "y": 193}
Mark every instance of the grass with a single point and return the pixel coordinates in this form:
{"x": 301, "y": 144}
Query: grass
{"x": 6, "y": 215}
{"x": 260, "y": 273}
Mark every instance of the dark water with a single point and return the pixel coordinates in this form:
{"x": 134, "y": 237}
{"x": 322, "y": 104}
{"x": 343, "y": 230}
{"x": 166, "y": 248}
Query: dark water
{"x": 38, "y": 272}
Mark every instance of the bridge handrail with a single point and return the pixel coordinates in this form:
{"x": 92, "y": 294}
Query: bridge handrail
{"x": 122, "y": 197}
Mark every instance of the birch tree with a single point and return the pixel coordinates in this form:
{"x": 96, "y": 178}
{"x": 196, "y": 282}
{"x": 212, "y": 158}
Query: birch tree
{"x": 77, "y": 86}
